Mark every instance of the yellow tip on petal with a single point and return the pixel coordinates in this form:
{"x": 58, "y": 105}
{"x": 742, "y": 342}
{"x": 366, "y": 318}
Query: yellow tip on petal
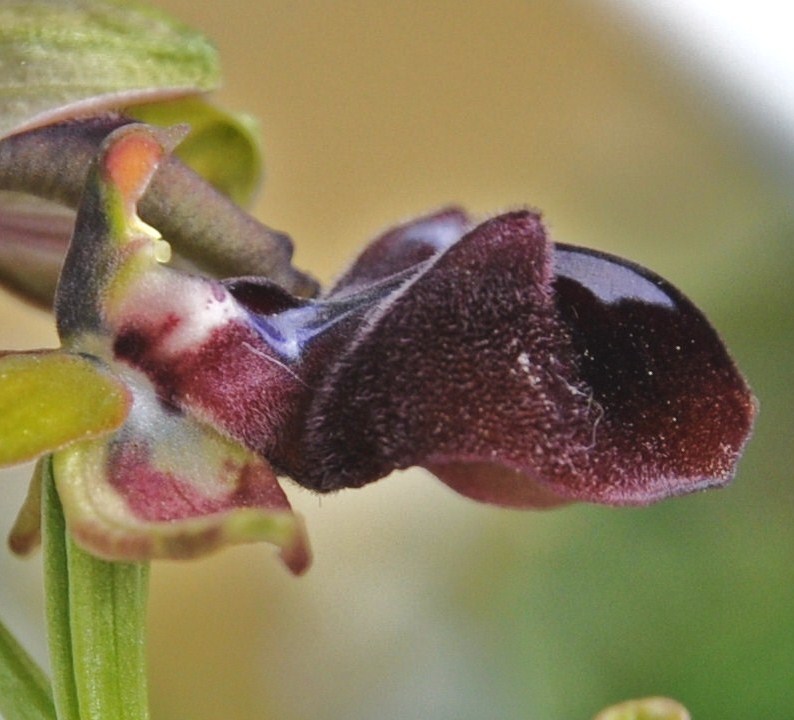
{"x": 131, "y": 155}
{"x": 130, "y": 161}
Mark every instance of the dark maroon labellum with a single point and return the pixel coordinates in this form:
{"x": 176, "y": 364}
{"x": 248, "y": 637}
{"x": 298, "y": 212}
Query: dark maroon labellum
{"x": 524, "y": 374}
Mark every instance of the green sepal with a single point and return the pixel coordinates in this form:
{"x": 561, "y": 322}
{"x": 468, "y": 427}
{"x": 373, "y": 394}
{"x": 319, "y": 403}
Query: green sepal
{"x": 60, "y": 59}
{"x": 49, "y": 399}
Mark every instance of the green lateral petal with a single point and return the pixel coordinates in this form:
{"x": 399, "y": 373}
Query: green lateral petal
{"x": 223, "y": 148}
{"x": 58, "y": 59}
{"x": 655, "y": 708}
{"x": 50, "y": 399}
{"x": 167, "y": 487}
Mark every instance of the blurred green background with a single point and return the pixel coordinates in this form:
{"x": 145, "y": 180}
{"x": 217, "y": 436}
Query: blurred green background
{"x": 421, "y": 604}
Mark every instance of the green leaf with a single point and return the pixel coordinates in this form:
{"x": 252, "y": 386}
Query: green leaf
{"x": 24, "y": 689}
{"x": 225, "y": 149}
{"x": 61, "y": 58}
{"x": 50, "y": 399}
{"x": 655, "y": 708}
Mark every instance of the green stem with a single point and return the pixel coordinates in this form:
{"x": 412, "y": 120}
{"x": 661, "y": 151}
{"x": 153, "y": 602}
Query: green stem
{"x": 24, "y": 689}
{"x": 96, "y": 619}
{"x": 56, "y": 594}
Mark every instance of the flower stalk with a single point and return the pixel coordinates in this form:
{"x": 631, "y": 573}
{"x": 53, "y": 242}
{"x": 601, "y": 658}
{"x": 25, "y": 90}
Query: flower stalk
{"x": 96, "y": 624}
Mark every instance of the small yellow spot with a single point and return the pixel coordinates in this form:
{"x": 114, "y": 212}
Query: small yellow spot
{"x": 162, "y": 250}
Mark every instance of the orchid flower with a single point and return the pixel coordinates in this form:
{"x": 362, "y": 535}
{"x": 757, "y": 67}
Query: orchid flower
{"x": 520, "y": 372}
{"x": 199, "y": 372}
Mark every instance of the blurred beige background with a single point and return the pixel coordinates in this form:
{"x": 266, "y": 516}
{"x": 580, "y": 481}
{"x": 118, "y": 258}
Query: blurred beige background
{"x": 372, "y": 112}
{"x": 421, "y": 604}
